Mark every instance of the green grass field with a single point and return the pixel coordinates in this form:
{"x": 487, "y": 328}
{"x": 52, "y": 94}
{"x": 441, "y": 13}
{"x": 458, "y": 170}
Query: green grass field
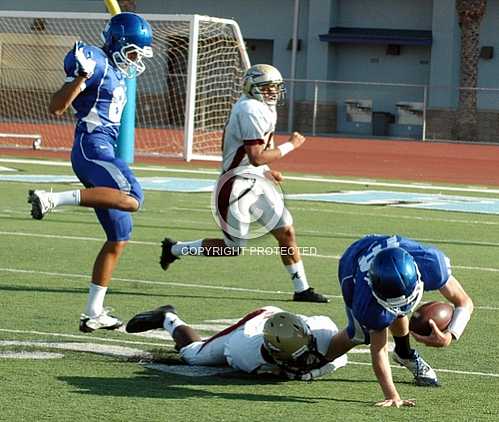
{"x": 44, "y": 276}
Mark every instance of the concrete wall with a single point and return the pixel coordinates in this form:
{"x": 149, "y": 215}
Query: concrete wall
{"x": 394, "y": 14}
{"x": 437, "y": 66}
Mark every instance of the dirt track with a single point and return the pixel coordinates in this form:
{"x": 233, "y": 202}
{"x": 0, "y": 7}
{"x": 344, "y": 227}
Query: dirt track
{"x": 390, "y": 159}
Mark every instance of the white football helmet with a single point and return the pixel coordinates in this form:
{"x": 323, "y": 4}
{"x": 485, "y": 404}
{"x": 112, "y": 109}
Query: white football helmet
{"x": 264, "y": 83}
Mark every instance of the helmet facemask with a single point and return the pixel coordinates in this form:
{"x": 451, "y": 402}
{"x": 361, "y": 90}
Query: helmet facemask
{"x": 271, "y": 94}
{"x": 403, "y": 305}
{"x": 129, "y": 59}
{"x": 264, "y": 83}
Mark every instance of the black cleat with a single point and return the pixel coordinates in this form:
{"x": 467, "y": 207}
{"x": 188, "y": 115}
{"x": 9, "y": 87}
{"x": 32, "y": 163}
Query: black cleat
{"x": 166, "y": 253}
{"x": 149, "y": 320}
{"x": 310, "y": 295}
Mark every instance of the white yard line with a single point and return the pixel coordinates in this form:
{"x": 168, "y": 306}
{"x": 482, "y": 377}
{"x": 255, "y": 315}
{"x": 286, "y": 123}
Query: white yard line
{"x": 421, "y": 186}
{"x": 452, "y": 371}
{"x": 335, "y": 257}
{"x": 99, "y": 348}
{"x": 90, "y": 239}
{"x": 184, "y": 285}
{"x": 75, "y": 336}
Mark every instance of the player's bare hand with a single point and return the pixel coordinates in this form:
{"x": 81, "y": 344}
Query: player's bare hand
{"x": 297, "y": 139}
{"x": 396, "y": 403}
{"x": 437, "y": 338}
{"x": 274, "y": 176}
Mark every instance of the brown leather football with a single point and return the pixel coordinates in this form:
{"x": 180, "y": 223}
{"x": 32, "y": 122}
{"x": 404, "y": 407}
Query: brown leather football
{"x": 439, "y": 312}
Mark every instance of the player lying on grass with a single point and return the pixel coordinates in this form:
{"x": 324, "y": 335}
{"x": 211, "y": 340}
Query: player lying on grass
{"x": 95, "y": 88}
{"x": 382, "y": 280}
{"x": 267, "y": 340}
{"x": 246, "y": 188}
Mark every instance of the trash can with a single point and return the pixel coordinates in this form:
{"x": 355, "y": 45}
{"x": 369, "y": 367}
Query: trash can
{"x": 381, "y": 120}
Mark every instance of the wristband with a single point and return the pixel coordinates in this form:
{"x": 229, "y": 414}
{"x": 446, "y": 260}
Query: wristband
{"x": 459, "y": 321}
{"x": 286, "y": 148}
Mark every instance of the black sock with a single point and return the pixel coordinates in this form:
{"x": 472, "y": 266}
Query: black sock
{"x": 402, "y": 347}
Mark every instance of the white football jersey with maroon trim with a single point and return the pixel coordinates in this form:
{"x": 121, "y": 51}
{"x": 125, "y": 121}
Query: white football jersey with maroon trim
{"x": 250, "y": 122}
{"x": 243, "y": 347}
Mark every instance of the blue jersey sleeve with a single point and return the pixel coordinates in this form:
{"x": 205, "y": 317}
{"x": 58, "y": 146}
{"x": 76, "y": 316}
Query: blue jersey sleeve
{"x": 71, "y": 68}
{"x": 433, "y": 265}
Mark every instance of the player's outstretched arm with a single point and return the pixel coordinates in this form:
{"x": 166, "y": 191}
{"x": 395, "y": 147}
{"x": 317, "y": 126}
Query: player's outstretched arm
{"x": 62, "y": 99}
{"x": 382, "y": 370}
{"x": 258, "y": 156}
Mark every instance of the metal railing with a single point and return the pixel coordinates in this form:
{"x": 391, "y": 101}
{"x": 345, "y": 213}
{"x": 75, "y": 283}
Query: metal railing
{"x": 364, "y": 109}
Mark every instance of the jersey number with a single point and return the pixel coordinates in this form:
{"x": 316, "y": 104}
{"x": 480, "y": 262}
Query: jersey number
{"x": 117, "y": 104}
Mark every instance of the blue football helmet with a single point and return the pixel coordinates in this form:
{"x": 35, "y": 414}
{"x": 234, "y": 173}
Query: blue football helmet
{"x": 395, "y": 281}
{"x": 127, "y": 39}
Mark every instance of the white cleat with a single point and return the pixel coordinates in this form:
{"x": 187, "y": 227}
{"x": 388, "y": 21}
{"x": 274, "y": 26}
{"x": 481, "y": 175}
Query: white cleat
{"x": 424, "y": 375}
{"x": 104, "y": 321}
{"x": 41, "y": 203}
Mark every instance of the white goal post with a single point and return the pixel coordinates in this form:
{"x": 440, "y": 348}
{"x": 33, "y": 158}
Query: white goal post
{"x": 183, "y": 98}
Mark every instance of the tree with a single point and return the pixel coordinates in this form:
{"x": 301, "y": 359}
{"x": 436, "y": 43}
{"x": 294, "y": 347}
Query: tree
{"x": 470, "y": 14}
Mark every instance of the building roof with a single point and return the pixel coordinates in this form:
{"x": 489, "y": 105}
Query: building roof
{"x": 341, "y": 35}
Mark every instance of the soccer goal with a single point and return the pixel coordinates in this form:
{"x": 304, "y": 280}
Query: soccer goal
{"x": 183, "y": 97}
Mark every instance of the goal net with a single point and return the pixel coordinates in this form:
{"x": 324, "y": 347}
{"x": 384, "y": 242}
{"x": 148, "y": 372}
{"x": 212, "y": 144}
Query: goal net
{"x": 183, "y": 97}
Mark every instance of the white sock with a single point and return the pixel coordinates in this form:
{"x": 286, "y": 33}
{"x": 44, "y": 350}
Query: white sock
{"x": 298, "y": 276}
{"x": 95, "y": 303}
{"x": 172, "y": 321}
{"x": 188, "y": 248}
{"x": 69, "y": 197}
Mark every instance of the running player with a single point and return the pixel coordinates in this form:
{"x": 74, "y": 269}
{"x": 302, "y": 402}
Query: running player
{"x": 95, "y": 88}
{"x": 245, "y": 190}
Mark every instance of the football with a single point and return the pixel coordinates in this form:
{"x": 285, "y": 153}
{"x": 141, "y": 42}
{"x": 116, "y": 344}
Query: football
{"x": 440, "y": 312}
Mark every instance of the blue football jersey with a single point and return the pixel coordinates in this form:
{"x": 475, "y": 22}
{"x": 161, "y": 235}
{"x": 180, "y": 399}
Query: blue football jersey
{"x": 100, "y": 105}
{"x": 433, "y": 265}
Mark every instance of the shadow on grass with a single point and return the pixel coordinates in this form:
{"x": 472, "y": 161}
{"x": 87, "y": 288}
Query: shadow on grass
{"x": 166, "y": 229}
{"x": 114, "y": 292}
{"x": 151, "y": 384}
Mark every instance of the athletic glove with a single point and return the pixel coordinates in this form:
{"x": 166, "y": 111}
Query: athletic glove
{"x": 85, "y": 66}
{"x": 310, "y": 375}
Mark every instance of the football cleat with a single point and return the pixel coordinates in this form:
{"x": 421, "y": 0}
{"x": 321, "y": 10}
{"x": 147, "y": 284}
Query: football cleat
{"x": 41, "y": 203}
{"x": 310, "y": 295}
{"x": 103, "y": 321}
{"x": 424, "y": 375}
{"x": 149, "y": 320}
{"x": 167, "y": 256}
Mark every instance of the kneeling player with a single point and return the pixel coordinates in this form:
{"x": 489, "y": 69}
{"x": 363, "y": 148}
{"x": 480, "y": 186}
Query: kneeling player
{"x": 382, "y": 280}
